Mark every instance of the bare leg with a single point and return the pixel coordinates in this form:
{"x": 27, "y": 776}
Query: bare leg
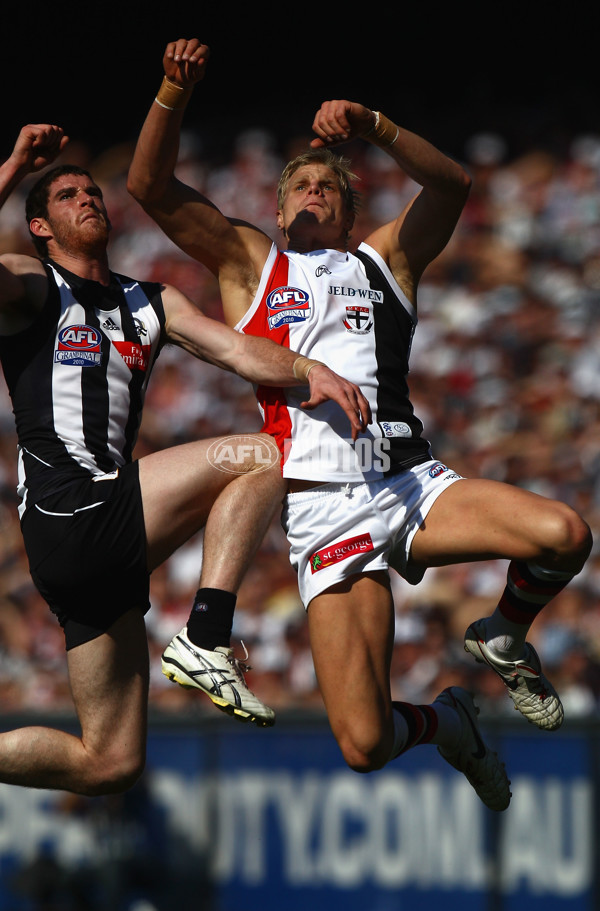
{"x": 184, "y": 490}
{"x": 180, "y": 487}
{"x": 351, "y": 632}
{"x": 237, "y": 525}
{"x": 109, "y": 682}
{"x": 351, "y": 629}
{"x": 546, "y": 542}
{"x": 498, "y": 521}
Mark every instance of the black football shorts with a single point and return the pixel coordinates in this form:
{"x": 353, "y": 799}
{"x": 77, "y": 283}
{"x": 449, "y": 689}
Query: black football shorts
{"x": 87, "y": 552}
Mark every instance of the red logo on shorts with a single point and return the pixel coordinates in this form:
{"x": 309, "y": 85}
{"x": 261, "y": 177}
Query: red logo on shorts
{"x": 340, "y": 551}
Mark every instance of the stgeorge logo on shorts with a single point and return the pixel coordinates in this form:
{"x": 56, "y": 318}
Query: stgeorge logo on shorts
{"x": 241, "y": 454}
{"x": 340, "y": 551}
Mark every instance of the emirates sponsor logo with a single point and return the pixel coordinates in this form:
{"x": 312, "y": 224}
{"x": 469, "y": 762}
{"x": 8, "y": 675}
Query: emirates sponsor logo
{"x": 135, "y": 356}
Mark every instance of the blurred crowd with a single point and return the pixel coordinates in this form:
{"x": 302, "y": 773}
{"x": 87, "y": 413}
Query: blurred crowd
{"x": 505, "y": 374}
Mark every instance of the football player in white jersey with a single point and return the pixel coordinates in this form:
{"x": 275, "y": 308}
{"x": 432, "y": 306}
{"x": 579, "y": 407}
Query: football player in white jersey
{"x": 96, "y": 522}
{"x": 344, "y": 537}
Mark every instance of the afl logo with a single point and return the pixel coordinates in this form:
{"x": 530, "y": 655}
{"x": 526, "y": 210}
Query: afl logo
{"x": 80, "y": 338}
{"x": 287, "y": 305}
{"x": 78, "y": 345}
{"x": 436, "y": 470}
{"x": 286, "y": 297}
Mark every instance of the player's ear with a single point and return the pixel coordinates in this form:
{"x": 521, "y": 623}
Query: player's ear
{"x": 280, "y": 222}
{"x": 39, "y": 227}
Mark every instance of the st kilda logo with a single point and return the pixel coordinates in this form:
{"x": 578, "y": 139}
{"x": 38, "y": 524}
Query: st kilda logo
{"x": 358, "y": 319}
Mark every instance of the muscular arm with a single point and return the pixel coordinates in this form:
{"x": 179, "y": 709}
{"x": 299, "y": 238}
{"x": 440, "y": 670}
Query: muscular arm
{"x": 233, "y": 251}
{"x": 419, "y": 233}
{"x": 258, "y": 360}
{"x": 22, "y": 278}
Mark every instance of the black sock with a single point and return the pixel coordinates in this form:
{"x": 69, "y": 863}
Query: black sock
{"x": 211, "y": 619}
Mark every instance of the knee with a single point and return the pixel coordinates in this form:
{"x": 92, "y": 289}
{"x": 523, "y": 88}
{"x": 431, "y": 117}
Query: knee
{"x": 571, "y": 538}
{"x": 364, "y": 754}
{"x": 112, "y": 774}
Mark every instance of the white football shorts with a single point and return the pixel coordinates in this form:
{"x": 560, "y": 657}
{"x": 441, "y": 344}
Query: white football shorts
{"x": 337, "y": 530}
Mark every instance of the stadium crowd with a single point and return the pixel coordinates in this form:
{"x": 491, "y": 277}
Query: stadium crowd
{"x": 505, "y": 373}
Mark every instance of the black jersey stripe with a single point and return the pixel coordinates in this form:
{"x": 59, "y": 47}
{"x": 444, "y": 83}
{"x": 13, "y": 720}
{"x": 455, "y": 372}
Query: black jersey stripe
{"x": 94, "y": 393}
{"x": 394, "y": 329}
{"x": 138, "y": 380}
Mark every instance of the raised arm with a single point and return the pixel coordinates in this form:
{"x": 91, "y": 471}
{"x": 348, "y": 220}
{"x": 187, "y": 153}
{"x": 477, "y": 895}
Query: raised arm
{"x": 21, "y": 277}
{"x": 259, "y": 360}
{"x": 422, "y": 230}
{"x": 37, "y": 146}
{"x": 233, "y": 251}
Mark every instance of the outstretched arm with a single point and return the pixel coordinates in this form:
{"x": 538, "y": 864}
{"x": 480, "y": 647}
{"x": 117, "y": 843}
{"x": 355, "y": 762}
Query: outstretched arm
{"x": 37, "y": 146}
{"x": 422, "y": 230}
{"x": 260, "y": 360}
{"x": 233, "y": 251}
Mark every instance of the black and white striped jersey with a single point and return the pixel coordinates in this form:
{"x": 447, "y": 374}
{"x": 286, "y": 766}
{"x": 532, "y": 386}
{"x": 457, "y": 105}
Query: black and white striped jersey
{"x": 77, "y": 378}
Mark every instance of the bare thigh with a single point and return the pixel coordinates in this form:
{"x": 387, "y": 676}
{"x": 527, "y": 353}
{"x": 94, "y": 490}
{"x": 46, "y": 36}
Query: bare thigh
{"x": 179, "y": 487}
{"x": 351, "y": 632}
{"x": 480, "y": 519}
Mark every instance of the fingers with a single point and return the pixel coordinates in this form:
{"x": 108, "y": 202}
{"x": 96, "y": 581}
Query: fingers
{"x": 187, "y": 49}
{"x": 39, "y": 144}
{"x": 42, "y": 134}
{"x": 357, "y": 418}
{"x": 50, "y": 137}
{"x": 326, "y": 385}
{"x": 331, "y": 123}
{"x": 338, "y": 121}
{"x": 185, "y": 60}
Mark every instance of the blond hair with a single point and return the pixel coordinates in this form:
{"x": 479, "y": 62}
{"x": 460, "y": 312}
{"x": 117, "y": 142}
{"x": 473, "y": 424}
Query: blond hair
{"x": 336, "y": 163}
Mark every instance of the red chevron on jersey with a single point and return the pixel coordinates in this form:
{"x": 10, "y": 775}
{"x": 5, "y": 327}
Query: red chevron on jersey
{"x": 271, "y": 399}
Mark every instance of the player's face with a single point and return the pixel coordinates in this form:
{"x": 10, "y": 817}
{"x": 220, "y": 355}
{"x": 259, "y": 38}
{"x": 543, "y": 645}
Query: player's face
{"x": 314, "y": 205}
{"x": 77, "y": 217}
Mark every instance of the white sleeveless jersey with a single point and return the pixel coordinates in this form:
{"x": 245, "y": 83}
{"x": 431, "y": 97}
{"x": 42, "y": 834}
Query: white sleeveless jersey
{"x": 348, "y": 311}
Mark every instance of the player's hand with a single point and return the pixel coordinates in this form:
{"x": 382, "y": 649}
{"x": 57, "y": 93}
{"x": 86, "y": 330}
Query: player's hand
{"x": 185, "y": 61}
{"x": 339, "y": 121}
{"x": 38, "y": 145}
{"x": 326, "y": 385}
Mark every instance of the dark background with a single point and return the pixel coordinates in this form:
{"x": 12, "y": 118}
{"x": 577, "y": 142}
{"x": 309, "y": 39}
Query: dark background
{"x": 522, "y": 70}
